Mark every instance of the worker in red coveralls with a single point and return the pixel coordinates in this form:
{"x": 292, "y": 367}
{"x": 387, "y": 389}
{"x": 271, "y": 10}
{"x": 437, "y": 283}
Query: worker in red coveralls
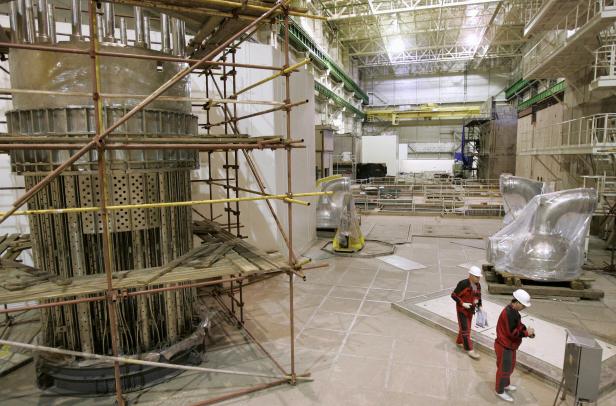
{"x": 467, "y": 296}
{"x": 509, "y": 334}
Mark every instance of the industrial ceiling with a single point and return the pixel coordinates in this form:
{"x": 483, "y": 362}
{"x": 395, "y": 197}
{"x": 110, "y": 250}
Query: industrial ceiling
{"x": 425, "y": 36}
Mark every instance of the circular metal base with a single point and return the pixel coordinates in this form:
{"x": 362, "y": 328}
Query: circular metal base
{"x": 373, "y": 248}
{"x": 100, "y": 380}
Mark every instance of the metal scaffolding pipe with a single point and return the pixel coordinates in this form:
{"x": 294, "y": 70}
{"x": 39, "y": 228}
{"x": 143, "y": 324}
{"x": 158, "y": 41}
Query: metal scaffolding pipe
{"x": 289, "y": 198}
{"x": 190, "y": 61}
{"x": 210, "y": 102}
{"x": 272, "y": 77}
{"x": 145, "y": 146}
{"x": 76, "y": 20}
{"x": 259, "y": 113}
{"x": 200, "y": 9}
{"x": 104, "y": 213}
{"x": 134, "y": 361}
{"x": 95, "y": 141}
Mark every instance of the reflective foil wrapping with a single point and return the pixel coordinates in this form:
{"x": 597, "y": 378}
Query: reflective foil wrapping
{"x": 545, "y": 242}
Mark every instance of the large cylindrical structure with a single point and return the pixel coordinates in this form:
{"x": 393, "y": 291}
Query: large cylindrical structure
{"x": 70, "y": 245}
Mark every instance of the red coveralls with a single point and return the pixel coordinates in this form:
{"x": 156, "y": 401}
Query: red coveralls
{"x": 509, "y": 334}
{"x": 464, "y": 293}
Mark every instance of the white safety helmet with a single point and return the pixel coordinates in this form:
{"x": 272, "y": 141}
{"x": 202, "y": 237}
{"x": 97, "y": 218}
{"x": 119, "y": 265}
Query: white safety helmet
{"x": 475, "y": 271}
{"x": 522, "y": 296}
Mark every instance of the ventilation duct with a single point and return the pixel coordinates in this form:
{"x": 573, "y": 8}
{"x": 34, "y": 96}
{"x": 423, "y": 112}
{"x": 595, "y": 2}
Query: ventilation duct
{"x": 517, "y": 192}
{"x": 545, "y": 242}
{"x": 330, "y": 207}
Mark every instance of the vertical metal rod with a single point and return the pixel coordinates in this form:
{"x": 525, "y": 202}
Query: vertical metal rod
{"x": 76, "y": 20}
{"x": 255, "y": 172}
{"x": 209, "y": 172}
{"x": 289, "y": 191}
{"x": 175, "y": 37}
{"x": 29, "y": 14}
{"x": 209, "y": 153}
{"x": 140, "y": 106}
{"x": 182, "y": 38}
{"x": 102, "y": 181}
{"x": 43, "y": 30}
{"x": 100, "y": 28}
{"x": 241, "y": 305}
{"x": 223, "y": 78}
{"x": 109, "y": 16}
{"x": 146, "y": 32}
{"x": 164, "y": 33}
{"x": 15, "y": 26}
{"x": 235, "y": 153}
{"x": 227, "y": 190}
{"x": 139, "y": 42}
{"x": 21, "y": 20}
{"x": 51, "y": 23}
{"x": 123, "y": 34}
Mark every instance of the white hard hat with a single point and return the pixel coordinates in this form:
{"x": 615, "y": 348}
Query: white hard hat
{"x": 522, "y": 296}
{"x": 475, "y": 271}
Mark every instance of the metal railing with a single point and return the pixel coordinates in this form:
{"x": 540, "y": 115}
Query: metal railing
{"x": 572, "y": 136}
{"x": 604, "y": 66}
{"x": 568, "y": 27}
{"x": 416, "y": 195}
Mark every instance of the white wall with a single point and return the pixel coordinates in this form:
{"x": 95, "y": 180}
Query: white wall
{"x": 435, "y": 89}
{"x": 426, "y": 165}
{"x": 381, "y": 149}
{"x": 259, "y": 225}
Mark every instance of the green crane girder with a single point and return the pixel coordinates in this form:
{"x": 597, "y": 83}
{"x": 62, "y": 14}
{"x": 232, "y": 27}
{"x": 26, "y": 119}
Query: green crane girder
{"x": 516, "y": 88}
{"x": 553, "y": 90}
{"x": 301, "y": 40}
{"x": 329, "y": 94}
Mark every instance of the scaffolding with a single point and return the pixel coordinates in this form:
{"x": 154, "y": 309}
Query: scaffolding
{"x": 223, "y": 57}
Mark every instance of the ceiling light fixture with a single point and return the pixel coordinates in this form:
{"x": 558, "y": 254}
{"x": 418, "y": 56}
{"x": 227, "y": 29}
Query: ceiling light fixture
{"x": 472, "y": 40}
{"x": 395, "y": 46}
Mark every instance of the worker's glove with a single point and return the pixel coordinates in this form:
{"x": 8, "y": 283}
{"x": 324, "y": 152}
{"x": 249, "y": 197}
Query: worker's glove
{"x": 467, "y": 306}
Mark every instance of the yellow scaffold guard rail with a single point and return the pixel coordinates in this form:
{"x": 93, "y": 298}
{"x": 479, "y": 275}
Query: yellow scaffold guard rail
{"x": 327, "y": 179}
{"x": 289, "y": 198}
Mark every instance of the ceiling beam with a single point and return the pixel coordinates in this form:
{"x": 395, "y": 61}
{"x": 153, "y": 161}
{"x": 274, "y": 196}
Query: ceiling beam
{"x": 418, "y": 6}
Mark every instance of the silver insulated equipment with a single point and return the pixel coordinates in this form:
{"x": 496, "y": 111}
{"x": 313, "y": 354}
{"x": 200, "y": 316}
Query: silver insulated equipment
{"x": 517, "y": 192}
{"x": 70, "y": 245}
{"x": 546, "y": 240}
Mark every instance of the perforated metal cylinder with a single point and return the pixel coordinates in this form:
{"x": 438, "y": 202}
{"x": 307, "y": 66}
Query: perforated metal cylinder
{"x": 70, "y": 245}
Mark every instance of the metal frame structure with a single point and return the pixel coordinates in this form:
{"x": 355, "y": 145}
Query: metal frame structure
{"x": 604, "y": 67}
{"x": 595, "y": 134}
{"x": 412, "y": 195}
{"x": 230, "y": 145}
{"x": 567, "y": 47}
{"x": 445, "y": 36}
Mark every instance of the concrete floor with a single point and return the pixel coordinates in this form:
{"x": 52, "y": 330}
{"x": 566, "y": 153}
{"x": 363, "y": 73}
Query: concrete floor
{"x": 358, "y": 350}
